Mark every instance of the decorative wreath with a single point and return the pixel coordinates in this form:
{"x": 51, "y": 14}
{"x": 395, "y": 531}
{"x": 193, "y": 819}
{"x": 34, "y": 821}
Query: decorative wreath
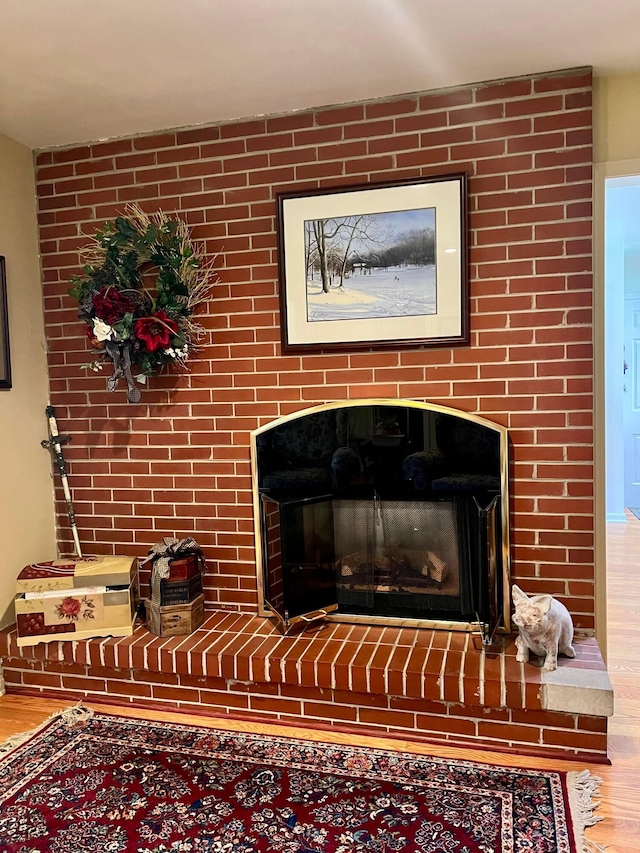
{"x": 141, "y": 282}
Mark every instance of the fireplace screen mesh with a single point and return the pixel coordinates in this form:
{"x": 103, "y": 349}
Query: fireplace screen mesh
{"x": 399, "y": 555}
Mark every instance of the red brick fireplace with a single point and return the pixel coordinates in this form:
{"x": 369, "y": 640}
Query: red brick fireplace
{"x": 179, "y": 462}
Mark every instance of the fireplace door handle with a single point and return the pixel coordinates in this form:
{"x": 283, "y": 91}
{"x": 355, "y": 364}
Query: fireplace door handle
{"x": 320, "y": 614}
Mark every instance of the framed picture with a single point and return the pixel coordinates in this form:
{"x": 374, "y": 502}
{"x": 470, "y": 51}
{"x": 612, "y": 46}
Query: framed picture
{"x": 381, "y": 265}
{"x": 5, "y": 362}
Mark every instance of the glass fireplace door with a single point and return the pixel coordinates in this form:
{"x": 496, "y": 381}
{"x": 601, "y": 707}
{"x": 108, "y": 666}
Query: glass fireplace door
{"x": 299, "y": 558}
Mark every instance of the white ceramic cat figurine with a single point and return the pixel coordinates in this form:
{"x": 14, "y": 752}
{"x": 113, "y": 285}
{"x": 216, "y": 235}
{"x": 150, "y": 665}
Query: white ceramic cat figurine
{"x": 545, "y": 628}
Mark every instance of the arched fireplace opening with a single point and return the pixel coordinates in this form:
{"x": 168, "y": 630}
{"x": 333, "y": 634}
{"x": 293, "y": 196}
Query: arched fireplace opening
{"x": 383, "y": 510}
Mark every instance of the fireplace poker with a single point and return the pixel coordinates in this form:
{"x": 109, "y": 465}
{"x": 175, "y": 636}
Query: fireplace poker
{"x": 54, "y": 444}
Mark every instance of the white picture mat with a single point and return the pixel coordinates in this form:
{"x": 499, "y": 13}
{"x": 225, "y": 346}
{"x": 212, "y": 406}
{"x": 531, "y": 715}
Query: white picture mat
{"x": 444, "y": 196}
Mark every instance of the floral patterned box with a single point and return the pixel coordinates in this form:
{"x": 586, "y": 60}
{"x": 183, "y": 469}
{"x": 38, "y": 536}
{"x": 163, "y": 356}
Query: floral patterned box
{"x": 73, "y": 599}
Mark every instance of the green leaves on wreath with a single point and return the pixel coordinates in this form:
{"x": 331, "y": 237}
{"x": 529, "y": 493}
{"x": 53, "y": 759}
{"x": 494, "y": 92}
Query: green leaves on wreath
{"x": 124, "y": 227}
{"x": 91, "y": 281}
{"x": 124, "y": 327}
{"x": 147, "y": 366}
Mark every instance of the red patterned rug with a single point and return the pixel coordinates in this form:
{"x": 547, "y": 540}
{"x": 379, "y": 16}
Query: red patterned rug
{"x": 88, "y": 782}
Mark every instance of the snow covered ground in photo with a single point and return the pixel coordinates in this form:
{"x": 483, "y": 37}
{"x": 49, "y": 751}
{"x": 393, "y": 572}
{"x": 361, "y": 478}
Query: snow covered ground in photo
{"x": 392, "y": 292}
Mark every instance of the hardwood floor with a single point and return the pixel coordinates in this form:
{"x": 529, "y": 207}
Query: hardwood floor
{"x": 620, "y": 791}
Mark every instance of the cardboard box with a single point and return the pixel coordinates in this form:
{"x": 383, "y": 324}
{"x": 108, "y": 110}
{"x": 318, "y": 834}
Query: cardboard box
{"x": 73, "y": 599}
{"x": 174, "y": 620}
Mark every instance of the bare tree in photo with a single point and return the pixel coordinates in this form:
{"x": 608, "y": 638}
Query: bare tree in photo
{"x": 324, "y": 232}
{"x": 325, "y": 237}
{"x": 311, "y": 257}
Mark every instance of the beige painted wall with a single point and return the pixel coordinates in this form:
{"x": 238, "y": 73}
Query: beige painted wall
{"x": 27, "y": 526}
{"x": 617, "y": 117}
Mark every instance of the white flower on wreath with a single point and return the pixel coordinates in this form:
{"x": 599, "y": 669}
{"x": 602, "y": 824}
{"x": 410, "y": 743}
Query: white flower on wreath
{"x": 177, "y": 353}
{"x": 103, "y": 331}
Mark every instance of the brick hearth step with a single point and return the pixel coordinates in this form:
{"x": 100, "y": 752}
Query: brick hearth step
{"x": 409, "y": 681}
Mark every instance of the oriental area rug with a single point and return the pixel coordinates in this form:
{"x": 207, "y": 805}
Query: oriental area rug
{"x": 87, "y": 782}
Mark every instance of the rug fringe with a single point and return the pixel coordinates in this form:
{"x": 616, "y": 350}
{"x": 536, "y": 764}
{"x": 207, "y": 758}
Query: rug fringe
{"x": 70, "y": 716}
{"x": 583, "y": 787}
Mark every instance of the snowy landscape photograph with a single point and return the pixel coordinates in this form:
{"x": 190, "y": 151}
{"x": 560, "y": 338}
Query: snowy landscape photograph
{"x": 370, "y": 266}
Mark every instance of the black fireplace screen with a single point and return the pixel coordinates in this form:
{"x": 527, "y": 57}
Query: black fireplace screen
{"x": 383, "y": 511}
{"x": 376, "y": 557}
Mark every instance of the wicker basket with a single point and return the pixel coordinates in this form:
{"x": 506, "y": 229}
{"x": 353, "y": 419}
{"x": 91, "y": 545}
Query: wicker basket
{"x": 174, "y": 620}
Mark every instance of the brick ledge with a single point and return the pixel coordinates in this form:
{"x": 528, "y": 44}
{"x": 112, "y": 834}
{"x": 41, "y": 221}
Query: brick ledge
{"x": 404, "y": 662}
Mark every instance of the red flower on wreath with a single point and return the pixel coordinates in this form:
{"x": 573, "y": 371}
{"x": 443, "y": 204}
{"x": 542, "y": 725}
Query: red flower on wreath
{"x": 156, "y": 331}
{"x": 110, "y": 305}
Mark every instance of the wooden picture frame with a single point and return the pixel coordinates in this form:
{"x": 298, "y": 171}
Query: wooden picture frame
{"x": 5, "y": 357}
{"x": 374, "y": 265}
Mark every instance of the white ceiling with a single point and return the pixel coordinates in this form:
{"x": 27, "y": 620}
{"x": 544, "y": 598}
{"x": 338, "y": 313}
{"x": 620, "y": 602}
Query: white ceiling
{"x": 79, "y": 70}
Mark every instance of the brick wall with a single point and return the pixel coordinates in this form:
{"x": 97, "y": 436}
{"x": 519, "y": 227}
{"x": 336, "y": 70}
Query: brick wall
{"x": 178, "y": 463}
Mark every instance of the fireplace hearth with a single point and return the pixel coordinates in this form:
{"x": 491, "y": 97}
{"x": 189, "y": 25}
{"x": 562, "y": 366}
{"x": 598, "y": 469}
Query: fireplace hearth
{"x": 382, "y": 511}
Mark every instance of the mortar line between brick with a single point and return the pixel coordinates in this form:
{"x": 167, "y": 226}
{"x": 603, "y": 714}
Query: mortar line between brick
{"x": 406, "y": 664}
{"x": 355, "y": 652}
{"x": 283, "y": 658}
{"x": 388, "y": 663}
{"x": 462, "y": 665}
{"x": 299, "y": 668}
{"x": 351, "y": 645}
{"x": 367, "y": 666}
{"x": 159, "y": 652}
{"x": 315, "y": 664}
{"x": 12, "y": 644}
{"x": 231, "y": 626}
{"x": 238, "y": 653}
{"x": 443, "y": 666}
{"x": 102, "y": 645}
{"x": 145, "y": 659}
{"x": 336, "y": 656}
{"x": 503, "y": 681}
{"x": 424, "y": 667}
{"x": 203, "y": 654}
{"x": 253, "y": 654}
{"x": 223, "y": 649}
{"x": 187, "y": 640}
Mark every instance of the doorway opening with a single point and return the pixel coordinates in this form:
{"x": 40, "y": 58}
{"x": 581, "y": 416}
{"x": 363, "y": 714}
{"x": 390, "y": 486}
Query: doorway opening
{"x": 618, "y": 417}
{"x": 622, "y": 346}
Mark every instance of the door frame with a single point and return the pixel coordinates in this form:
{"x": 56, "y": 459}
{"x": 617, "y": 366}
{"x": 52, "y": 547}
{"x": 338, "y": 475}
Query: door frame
{"x": 630, "y": 420}
{"x": 602, "y": 171}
